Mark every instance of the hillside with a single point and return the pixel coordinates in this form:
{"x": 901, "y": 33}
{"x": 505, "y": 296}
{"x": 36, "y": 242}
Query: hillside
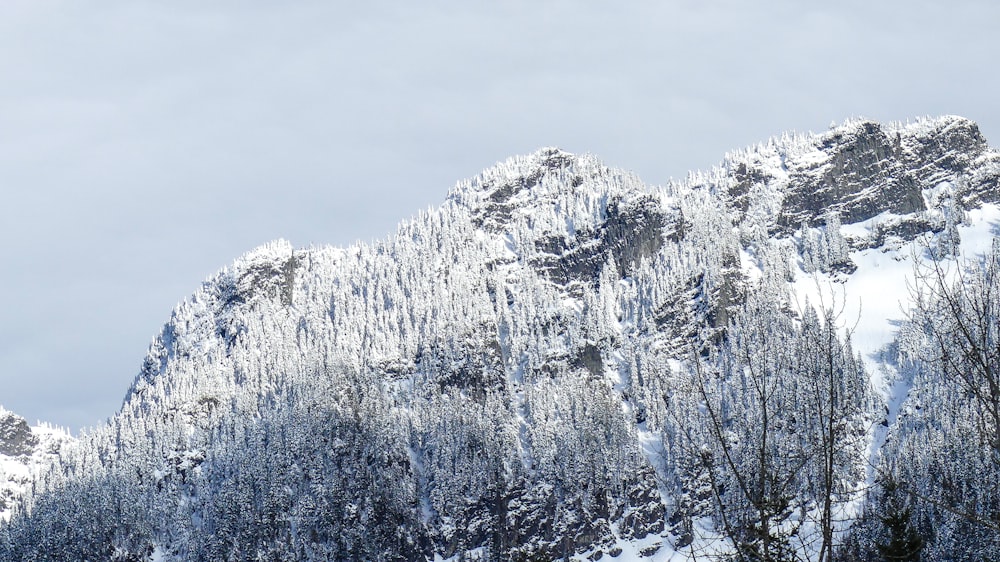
{"x": 564, "y": 362}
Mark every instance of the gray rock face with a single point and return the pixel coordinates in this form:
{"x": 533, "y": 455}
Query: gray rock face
{"x": 633, "y": 230}
{"x": 498, "y": 208}
{"x": 864, "y": 169}
{"x": 866, "y": 175}
{"x": 15, "y": 435}
{"x": 945, "y": 150}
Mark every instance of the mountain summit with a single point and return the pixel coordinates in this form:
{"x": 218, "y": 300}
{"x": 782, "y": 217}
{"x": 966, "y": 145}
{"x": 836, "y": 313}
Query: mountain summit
{"x": 562, "y": 362}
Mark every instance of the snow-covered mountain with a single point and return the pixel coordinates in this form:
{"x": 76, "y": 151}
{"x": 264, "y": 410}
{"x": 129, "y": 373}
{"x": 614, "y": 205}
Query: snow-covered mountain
{"x": 23, "y": 449}
{"x": 564, "y": 362}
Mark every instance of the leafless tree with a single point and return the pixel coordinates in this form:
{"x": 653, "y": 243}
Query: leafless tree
{"x": 958, "y": 309}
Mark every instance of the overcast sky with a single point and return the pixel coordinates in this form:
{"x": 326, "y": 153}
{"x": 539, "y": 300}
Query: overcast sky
{"x": 143, "y": 145}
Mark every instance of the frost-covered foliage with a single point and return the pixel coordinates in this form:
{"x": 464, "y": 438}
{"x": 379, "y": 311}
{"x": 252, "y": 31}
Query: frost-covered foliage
{"x": 557, "y": 361}
{"x": 940, "y": 473}
{"x": 780, "y": 412}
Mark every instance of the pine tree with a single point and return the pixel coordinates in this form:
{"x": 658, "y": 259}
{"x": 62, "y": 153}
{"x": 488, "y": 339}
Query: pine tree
{"x": 903, "y": 543}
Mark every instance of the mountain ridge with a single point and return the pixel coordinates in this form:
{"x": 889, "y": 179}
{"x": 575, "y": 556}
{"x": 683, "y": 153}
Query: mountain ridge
{"x": 517, "y": 373}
